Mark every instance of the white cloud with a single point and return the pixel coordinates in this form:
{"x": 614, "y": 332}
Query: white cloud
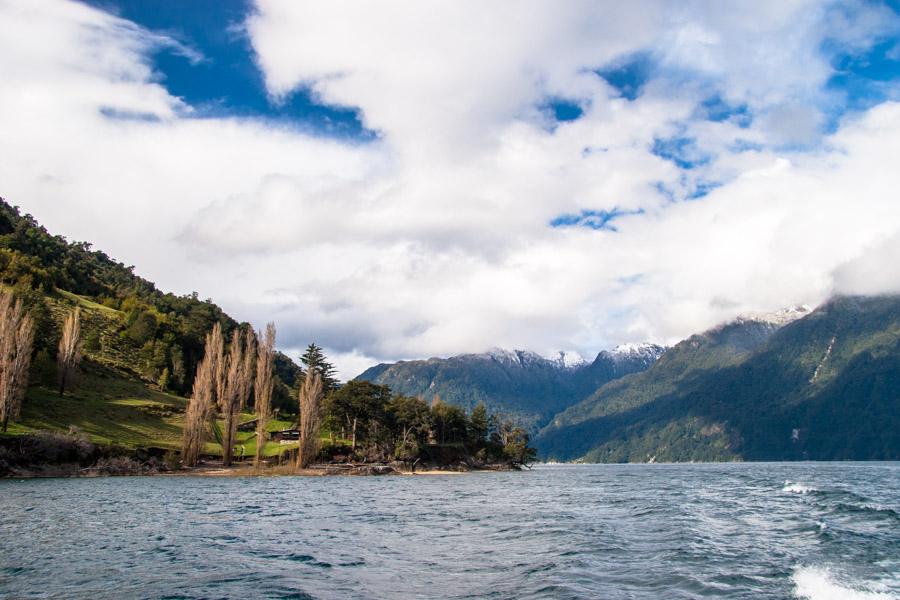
{"x": 875, "y": 271}
{"x": 434, "y": 239}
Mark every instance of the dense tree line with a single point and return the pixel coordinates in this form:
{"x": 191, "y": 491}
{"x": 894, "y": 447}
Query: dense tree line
{"x": 379, "y": 425}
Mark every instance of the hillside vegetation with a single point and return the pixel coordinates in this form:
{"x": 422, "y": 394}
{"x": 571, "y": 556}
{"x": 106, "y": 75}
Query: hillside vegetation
{"x": 141, "y": 346}
{"x": 130, "y": 325}
{"x": 825, "y": 387}
{"x": 522, "y": 385}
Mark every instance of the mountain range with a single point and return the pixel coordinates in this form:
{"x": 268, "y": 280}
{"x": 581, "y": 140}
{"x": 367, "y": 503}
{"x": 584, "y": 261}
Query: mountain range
{"x": 517, "y": 383}
{"x": 792, "y": 385}
{"x": 822, "y": 387}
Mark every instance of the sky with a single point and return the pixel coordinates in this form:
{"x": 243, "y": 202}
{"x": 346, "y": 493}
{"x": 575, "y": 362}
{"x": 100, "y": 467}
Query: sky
{"x": 400, "y": 179}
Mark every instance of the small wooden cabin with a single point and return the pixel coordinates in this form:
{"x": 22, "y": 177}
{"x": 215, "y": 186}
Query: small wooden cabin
{"x": 248, "y": 425}
{"x": 286, "y": 436}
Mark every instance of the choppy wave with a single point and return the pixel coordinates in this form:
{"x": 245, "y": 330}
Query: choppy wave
{"x": 798, "y": 488}
{"x": 617, "y": 532}
{"x": 818, "y": 583}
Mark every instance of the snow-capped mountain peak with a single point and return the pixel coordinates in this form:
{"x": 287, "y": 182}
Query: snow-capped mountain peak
{"x": 565, "y": 359}
{"x": 640, "y": 350}
{"x": 522, "y": 357}
{"x": 569, "y": 360}
{"x": 779, "y": 317}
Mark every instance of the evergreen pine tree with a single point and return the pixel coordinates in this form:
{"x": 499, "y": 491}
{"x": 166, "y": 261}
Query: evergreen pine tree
{"x": 314, "y": 358}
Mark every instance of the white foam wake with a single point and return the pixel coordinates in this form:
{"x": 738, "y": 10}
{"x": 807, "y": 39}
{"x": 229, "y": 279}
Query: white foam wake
{"x": 797, "y": 488}
{"x": 816, "y": 583}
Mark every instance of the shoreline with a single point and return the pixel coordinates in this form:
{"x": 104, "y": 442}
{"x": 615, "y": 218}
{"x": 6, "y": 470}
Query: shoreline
{"x": 310, "y": 472}
{"x": 75, "y": 471}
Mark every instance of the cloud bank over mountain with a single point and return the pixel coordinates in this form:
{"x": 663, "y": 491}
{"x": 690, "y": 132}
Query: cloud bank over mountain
{"x": 533, "y": 175}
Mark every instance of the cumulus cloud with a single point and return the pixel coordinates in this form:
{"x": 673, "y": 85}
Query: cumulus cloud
{"x": 875, "y": 271}
{"x": 436, "y": 238}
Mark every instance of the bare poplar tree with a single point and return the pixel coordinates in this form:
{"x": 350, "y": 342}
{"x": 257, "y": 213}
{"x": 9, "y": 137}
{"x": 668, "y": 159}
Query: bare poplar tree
{"x": 249, "y": 367}
{"x": 204, "y": 397}
{"x": 248, "y": 373}
{"x": 16, "y": 340}
{"x": 231, "y": 393}
{"x": 238, "y": 382}
{"x": 69, "y": 355}
{"x": 196, "y": 417}
{"x": 262, "y": 388}
{"x": 310, "y": 405}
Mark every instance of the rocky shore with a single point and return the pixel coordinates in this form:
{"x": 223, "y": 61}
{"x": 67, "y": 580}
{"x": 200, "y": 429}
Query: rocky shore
{"x": 52, "y": 454}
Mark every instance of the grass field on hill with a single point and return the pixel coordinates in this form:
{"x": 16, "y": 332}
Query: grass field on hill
{"x": 111, "y": 407}
{"x": 109, "y": 403}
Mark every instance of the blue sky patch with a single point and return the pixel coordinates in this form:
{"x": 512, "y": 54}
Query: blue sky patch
{"x": 226, "y": 82}
{"x": 683, "y": 151}
{"x": 564, "y": 110}
{"x": 702, "y": 188}
{"x": 560, "y": 110}
{"x": 862, "y": 77}
{"x": 716, "y": 109}
{"x": 862, "y": 80}
{"x": 593, "y": 219}
{"x": 629, "y": 74}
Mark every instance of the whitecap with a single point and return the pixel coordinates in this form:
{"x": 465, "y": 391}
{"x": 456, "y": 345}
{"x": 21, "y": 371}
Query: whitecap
{"x": 817, "y": 583}
{"x": 797, "y": 488}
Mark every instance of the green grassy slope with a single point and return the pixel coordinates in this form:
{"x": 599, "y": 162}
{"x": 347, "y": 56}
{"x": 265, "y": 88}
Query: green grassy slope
{"x": 112, "y": 407}
{"x": 109, "y": 402}
{"x": 108, "y": 406}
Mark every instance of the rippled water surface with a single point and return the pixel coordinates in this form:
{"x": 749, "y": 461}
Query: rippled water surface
{"x": 829, "y": 530}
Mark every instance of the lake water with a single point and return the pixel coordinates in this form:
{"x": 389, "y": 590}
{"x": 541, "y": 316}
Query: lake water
{"x": 821, "y": 531}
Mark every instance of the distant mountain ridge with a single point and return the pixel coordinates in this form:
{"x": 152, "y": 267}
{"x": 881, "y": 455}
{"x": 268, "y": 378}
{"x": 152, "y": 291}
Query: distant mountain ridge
{"x": 520, "y": 383}
{"x": 794, "y": 384}
{"x": 571, "y": 434}
{"x": 821, "y": 385}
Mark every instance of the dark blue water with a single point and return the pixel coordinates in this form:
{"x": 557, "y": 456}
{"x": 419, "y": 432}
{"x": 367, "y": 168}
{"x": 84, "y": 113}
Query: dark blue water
{"x": 818, "y": 531}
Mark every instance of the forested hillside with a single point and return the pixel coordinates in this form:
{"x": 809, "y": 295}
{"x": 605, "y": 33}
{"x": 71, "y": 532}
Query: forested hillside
{"x": 130, "y": 327}
{"x": 522, "y": 385}
{"x": 825, "y": 387}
